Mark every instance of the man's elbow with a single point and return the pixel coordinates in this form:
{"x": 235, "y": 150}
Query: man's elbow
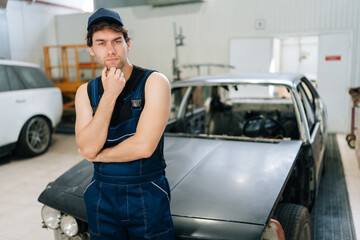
{"x": 88, "y": 153}
{"x": 147, "y": 151}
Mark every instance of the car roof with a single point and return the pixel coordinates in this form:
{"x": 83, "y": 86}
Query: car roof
{"x": 287, "y": 79}
{"x": 18, "y": 63}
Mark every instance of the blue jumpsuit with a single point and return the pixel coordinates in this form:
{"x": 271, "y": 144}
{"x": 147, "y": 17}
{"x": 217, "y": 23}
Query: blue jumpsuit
{"x": 128, "y": 200}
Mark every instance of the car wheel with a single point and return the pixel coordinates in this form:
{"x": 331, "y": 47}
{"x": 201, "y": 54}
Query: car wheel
{"x": 295, "y": 220}
{"x": 351, "y": 141}
{"x": 35, "y": 137}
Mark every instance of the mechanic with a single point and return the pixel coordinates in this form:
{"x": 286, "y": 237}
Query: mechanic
{"x": 120, "y": 121}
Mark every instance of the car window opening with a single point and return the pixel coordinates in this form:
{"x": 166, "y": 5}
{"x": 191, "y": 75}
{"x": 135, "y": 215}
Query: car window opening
{"x": 237, "y": 111}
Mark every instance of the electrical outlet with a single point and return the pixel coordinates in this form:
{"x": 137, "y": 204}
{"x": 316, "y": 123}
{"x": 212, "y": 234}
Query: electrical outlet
{"x": 260, "y": 24}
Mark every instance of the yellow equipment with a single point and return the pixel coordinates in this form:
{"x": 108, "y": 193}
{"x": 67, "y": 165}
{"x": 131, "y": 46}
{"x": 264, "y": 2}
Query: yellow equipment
{"x": 75, "y": 66}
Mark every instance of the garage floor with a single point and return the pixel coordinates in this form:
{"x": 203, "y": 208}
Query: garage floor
{"x": 331, "y": 215}
{"x": 22, "y": 180}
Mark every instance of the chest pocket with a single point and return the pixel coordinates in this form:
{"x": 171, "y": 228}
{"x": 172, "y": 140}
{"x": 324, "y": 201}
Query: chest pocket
{"x": 125, "y": 129}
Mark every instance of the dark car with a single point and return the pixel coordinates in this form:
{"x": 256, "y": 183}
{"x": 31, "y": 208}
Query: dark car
{"x": 244, "y": 155}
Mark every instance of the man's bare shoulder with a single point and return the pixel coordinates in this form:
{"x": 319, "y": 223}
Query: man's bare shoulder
{"x": 157, "y": 79}
{"x": 81, "y": 94}
{"x": 82, "y": 89}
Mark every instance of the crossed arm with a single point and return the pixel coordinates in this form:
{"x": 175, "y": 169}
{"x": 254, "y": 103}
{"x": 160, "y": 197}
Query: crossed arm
{"x": 91, "y": 132}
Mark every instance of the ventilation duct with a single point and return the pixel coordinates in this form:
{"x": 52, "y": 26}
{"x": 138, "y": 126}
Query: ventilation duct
{"x": 160, "y": 3}
{"x": 118, "y": 3}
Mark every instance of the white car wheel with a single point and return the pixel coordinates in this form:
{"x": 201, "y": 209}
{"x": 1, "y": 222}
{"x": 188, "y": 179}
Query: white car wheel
{"x": 35, "y": 137}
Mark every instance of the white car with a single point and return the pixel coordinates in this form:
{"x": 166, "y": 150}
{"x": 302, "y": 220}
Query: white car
{"x": 31, "y": 107}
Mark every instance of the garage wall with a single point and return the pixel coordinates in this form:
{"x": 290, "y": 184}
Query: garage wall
{"x": 31, "y": 26}
{"x": 208, "y": 28}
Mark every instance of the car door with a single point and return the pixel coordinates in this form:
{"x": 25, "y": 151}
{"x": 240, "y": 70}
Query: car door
{"x": 4, "y": 119}
{"x": 308, "y": 99}
{"x": 13, "y": 104}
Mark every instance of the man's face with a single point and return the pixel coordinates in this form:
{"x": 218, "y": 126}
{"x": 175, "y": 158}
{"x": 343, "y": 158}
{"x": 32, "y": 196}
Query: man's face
{"x": 110, "y": 48}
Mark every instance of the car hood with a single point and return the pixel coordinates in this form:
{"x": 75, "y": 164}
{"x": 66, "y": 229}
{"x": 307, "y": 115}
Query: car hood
{"x": 215, "y": 184}
{"x": 66, "y": 192}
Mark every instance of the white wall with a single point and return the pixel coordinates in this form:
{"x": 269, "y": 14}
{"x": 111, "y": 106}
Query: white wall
{"x": 209, "y": 26}
{"x": 251, "y": 54}
{"x": 300, "y": 55}
{"x": 31, "y": 26}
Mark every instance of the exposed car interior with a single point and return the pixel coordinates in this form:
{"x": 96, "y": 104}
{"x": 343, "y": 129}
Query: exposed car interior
{"x": 235, "y": 111}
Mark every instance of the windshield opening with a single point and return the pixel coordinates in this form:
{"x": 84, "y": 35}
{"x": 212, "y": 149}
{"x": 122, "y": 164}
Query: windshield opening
{"x": 255, "y": 111}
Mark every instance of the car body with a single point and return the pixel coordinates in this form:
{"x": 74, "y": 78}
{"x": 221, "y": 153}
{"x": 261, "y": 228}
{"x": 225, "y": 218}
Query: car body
{"x": 32, "y": 107}
{"x": 244, "y": 156}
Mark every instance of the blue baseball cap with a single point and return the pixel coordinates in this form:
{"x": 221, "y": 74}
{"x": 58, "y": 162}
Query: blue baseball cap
{"x": 103, "y": 14}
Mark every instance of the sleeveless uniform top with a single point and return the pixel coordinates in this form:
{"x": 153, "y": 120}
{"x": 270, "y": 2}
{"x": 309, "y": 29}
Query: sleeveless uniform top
{"x": 123, "y": 125}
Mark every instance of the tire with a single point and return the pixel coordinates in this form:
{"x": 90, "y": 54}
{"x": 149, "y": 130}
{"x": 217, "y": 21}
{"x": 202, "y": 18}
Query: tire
{"x": 351, "y": 141}
{"x": 295, "y": 220}
{"x": 348, "y": 137}
{"x": 35, "y": 137}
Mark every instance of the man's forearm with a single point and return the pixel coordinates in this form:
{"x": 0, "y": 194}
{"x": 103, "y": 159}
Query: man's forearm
{"x": 131, "y": 149}
{"x": 92, "y": 137}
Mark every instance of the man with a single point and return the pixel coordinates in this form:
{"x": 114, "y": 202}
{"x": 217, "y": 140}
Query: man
{"x": 120, "y": 120}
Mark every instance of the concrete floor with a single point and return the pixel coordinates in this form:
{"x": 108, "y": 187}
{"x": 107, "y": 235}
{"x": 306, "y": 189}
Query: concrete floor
{"x": 352, "y": 177}
{"x": 22, "y": 181}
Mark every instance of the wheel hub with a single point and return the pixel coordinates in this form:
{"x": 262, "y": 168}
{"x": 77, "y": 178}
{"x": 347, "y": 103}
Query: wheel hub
{"x": 38, "y": 134}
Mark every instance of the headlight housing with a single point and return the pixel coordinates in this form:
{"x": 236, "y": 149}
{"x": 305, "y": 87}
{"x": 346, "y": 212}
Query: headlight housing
{"x": 51, "y": 217}
{"x": 69, "y": 225}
